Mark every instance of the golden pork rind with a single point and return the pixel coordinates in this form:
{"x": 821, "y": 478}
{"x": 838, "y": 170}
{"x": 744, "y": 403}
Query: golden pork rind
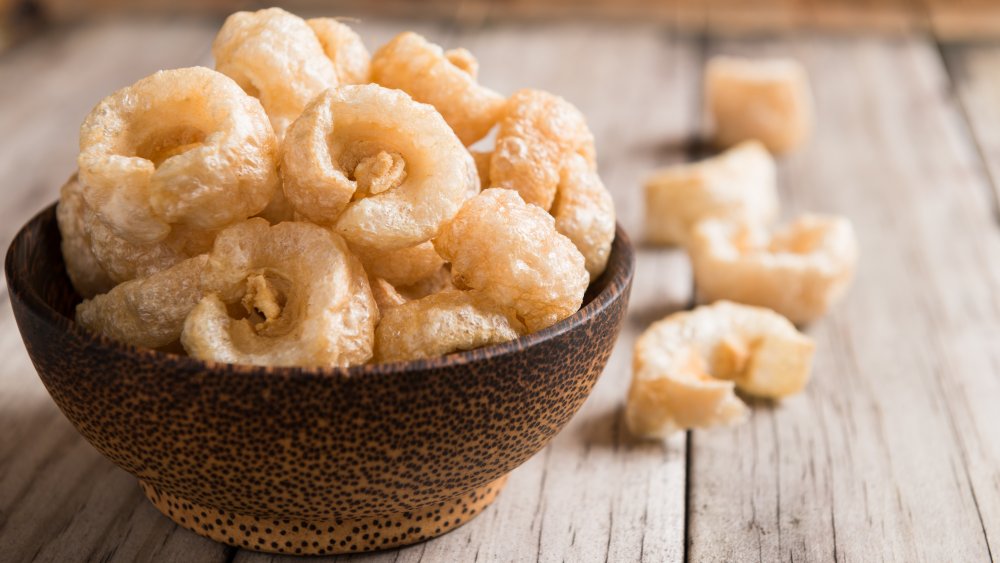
{"x": 687, "y": 366}
{"x": 181, "y": 147}
{"x": 402, "y": 267}
{"x": 537, "y": 135}
{"x": 800, "y": 271}
{"x": 585, "y": 213}
{"x": 442, "y": 323}
{"x": 342, "y": 45}
{"x": 276, "y": 57}
{"x": 384, "y": 169}
{"x": 85, "y": 272}
{"x": 445, "y": 80}
{"x": 764, "y": 99}
{"x": 740, "y": 184}
{"x": 511, "y": 253}
{"x": 149, "y": 311}
{"x": 304, "y": 297}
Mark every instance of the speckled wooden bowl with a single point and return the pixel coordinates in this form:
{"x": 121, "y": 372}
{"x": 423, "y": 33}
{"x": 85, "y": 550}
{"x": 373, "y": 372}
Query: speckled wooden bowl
{"x": 305, "y": 461}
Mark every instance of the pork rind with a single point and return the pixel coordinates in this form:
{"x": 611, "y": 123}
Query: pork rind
{"x": 800, "y": 271}
{"x": 442, "y": 323}
{"x": 83, "y": 268}
{"x": 403, "y": 267}
{"x": 536, "y": 137}
{"x": 181, "y": 147}
{"x": 385, "y": 294}
{"x": 149, "y": 311}
{"x": 447, "y": 81}
{"x": 344, "y": 48}
{"x": 765, "y": 99}
{"x": 386, "y": 170}
{"x": 276, "y": 57}
{"x": 585, "y": 213}
{"x": 687, "y": 366}
{"x": 511, "y": 253}
{"x": 739, "y": 184}
{"x": 305, "y": 299}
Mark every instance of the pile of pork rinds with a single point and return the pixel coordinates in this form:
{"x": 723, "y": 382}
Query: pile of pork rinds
{"x": 308, "y": 204}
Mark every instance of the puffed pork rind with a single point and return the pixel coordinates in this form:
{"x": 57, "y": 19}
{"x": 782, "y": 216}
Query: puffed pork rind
{"x": 180, "y": 147}
{"x": 740, "y": 184}
{"x": 85, "y": 272}
{"x": 800, "y": 271}
{"x": 687, "y": 366}
{"x": 764, "y": 99}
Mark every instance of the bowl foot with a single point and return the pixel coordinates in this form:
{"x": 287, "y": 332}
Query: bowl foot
{"x": 318, "y": 537}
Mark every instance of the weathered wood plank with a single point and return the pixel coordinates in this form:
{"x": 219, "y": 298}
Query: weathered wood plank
{"x": 892, "y": 451}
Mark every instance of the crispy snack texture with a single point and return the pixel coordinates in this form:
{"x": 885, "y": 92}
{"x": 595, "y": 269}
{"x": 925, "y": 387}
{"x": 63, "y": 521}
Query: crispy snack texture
{"x": 149, "y": 311}
{"x": 445, "y": 80}
{"x": 687, "y": 366}
{"x": 585, "y": 213}
{"x": 384, "y": 169}
{"x": 765, "y": 99}
{"x": 511, "y": 253}
{"x": 799, "y": 271}
{"x": 536, "y": 137}
{"x": 277, "y": 58}
{"x": 285, "y": 295}
{"x": 344, "y": 48}
{"x": 442, "y": 323}
{"x": 180, "y": 147}
{"x": 85, "y": 272}
{"x": 738, "y": 184}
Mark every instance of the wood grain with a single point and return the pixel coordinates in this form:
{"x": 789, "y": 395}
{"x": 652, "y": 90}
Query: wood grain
{"x": 892, "y": 452}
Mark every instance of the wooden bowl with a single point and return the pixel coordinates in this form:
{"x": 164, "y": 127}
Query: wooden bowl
{"x": 312, "y": 461}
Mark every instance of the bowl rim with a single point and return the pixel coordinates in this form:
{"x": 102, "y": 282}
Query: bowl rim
{"x": 619, "y": 283}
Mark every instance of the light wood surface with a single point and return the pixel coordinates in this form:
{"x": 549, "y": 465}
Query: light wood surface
{"x": 892, "y": 453}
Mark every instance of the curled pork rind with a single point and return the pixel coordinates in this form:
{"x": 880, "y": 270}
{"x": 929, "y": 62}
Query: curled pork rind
{"x": 585, "y": 213}
{"x": 386, "y": 170}
{"x": 442, "y": 323}
{"x": 686, "y": 367}
{"x": 85, "y": 272}
{"x": 767, "y": 100}
{"x": 180, "y": 147}
{"x": 344, "y": 48}
{"x": 510, "y": 252}
{"x": 536, "y": 137}
{"x": 800, "y": 271}
{"x": 276, "y": 57}
{"x": 124, "y": 260}
{"x": 305, "y": 296}
{"x": 149, "y": 311}
{"x": 739, "y": 184}
{"x": 447, "y": 81}
{"x": 403, "y": 267}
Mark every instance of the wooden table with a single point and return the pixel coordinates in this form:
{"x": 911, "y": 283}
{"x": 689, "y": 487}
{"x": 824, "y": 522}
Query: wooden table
{"x": 893, "y": 451}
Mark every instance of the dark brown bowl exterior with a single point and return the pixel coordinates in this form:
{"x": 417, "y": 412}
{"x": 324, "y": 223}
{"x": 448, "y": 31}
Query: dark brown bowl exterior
{"x": 310, "y": 444}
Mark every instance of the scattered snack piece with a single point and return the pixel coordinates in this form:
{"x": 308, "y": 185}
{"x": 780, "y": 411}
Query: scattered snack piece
{"x": 149, "y": 311}
{"x": 510, "y": 252}
{"x": 386, "y": 170}
{"x": 800, "y": 271}
{"x": 536, "y": 137}
{"x": 85, "y": 272}
{"x": 585, "y": 213}
{"x": 686, "y": 367}
{"x": 739, "y": 184}
{"x": 184, "y": 146}
{"x": 767, "y": 99}
{"x": 442, "y": 323}
{"x": 447, "y": 81}
{"x": 344, "y": 48}
{"x": 276, "y": 57}
{"x": 305, "y": 299}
